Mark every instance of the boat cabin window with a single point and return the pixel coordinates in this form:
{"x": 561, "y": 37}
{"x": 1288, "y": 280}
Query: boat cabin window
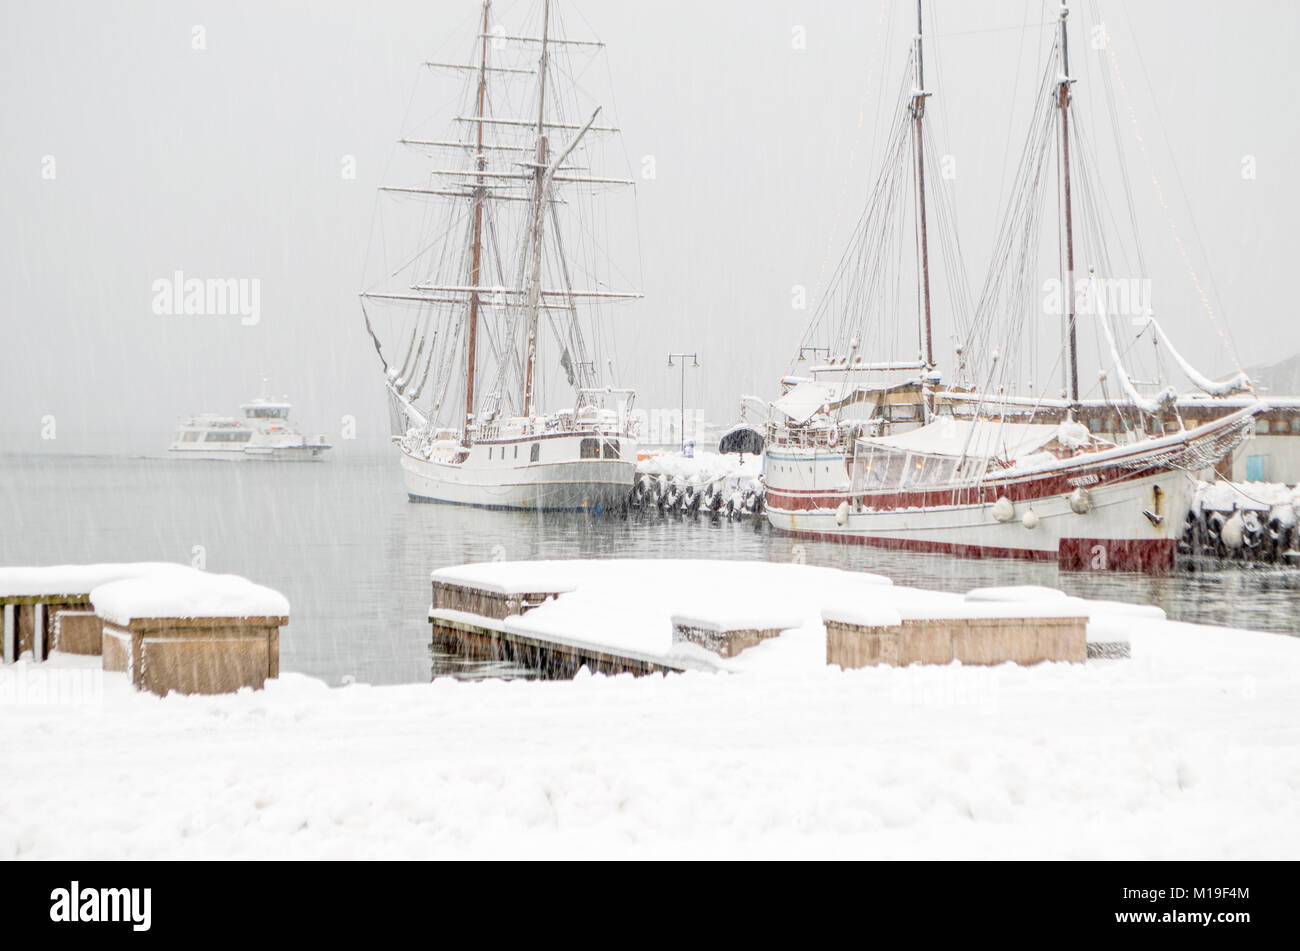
{"x": 1261, "y": 427}
{"x": 589, "y": 449}
{"x": 191, "y": 436}
{"x": 228, "y": 435}
{"x": 266, "y": 412}
{"x": 611, "y": 449}
{"x": 535, "y": 453}
{"x": 880, "y": 469}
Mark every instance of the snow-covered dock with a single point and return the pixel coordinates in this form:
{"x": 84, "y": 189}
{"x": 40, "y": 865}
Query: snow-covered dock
{"x": 643, "y": 616}
{"x": 167, "y": 627}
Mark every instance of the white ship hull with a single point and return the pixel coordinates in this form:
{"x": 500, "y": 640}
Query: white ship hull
{"x": 507, "y": 479}
{"x": 1137, "y": 502}
{"x": 1114, "y": 534}
{"x": 250, "y": 453}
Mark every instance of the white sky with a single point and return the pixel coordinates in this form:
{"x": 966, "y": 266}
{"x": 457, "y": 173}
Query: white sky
{"x": 225, "y": 162}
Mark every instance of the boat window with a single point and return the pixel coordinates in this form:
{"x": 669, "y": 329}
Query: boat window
{"x": 611, "y": 449}
{"x": 192, "y": 436}
{"x": 535, "y": 453}
{"x": 589, "y": 449}
{"x": 516, "y": 451}
{"x": 1261, "y": 426}
{"x": 229, "y": 435}
{"x": 902, "y": 411}
{"x": 1295, "y": 425}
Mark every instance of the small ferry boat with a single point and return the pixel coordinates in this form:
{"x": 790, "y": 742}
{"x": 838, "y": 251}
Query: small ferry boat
{"x": 262, "y": 433}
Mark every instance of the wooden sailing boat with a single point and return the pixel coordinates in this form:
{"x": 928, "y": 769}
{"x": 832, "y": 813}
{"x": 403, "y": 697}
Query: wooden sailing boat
{"x": 496, "y": 372}
{"x": 861, "y": 451}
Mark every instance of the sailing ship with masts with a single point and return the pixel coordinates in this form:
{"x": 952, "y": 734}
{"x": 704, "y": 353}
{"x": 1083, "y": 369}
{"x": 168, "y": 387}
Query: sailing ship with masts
{"x": 867, "y": 447}
{"x": 491, "y": 324}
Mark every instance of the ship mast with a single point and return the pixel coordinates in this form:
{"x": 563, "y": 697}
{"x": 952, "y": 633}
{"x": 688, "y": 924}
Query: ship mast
{"x": 1064, "y": 105}
{"x": 479, "y": 191}
{"x": 918, "y": 115}
{"x": 539, "y": 204}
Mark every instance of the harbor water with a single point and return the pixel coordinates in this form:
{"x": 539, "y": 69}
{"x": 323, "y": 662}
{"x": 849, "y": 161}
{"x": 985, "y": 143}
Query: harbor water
{"x": 353, "y": 555}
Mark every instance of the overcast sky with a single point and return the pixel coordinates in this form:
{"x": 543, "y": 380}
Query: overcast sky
{"x": 129, "y": 154}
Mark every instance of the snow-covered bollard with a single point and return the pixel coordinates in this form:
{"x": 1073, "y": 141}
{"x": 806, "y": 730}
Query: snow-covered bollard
{"x": 191, "y": 632}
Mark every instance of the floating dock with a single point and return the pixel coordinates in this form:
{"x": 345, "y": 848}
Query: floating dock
{"x": 646, "y": 616}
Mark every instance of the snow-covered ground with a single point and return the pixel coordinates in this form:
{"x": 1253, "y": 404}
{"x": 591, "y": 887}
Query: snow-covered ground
{"x": 1190, "y": 749}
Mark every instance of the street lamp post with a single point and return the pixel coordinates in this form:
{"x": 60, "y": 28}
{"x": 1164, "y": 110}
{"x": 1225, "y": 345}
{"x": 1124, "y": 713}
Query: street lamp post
{"x": 695, "y": 364}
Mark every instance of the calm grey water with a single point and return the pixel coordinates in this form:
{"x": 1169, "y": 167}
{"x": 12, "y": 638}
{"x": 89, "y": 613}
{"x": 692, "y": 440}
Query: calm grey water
{"x": 353, "y": 555}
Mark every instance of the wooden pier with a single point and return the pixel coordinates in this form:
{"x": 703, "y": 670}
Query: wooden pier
{"x": 467, "y": 620}
{"x": 208, "y": 649}
{"x": 481, "y": 614}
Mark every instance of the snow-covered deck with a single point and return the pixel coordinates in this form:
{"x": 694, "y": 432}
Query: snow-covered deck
{"x": 630, "y": 609}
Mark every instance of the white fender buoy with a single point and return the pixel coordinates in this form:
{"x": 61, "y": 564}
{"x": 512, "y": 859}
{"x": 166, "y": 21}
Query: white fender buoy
{"x": 842, "y": 513}
{"x": 1080, "y": 501}
{"x": 1234, "y": 531}
{"x": 1030, "y": 520}
{"x": 1003, "y": 510}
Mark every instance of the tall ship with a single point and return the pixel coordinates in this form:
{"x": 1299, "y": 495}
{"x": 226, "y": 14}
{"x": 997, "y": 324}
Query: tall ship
{"x": 874, "y": 444}
{"x": 262, "y": 433}
{"x": 491, "y": 320}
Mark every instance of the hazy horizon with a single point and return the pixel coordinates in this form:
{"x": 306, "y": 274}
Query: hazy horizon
{"x": 134, "y": 151}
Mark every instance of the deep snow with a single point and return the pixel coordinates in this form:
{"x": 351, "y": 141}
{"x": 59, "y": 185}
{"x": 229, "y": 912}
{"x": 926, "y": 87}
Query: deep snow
{"x": 1190, "y": 749}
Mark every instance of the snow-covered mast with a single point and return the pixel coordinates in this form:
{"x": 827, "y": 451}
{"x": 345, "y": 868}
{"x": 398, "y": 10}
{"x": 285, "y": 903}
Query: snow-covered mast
{"x": 539, "y": 201}
{"x": 918, "y": 115}
{"x": 480, "y": 190}
{"x": 1072, "y": 341}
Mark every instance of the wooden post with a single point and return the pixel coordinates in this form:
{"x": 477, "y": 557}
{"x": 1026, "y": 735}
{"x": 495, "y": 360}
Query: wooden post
{"x": 39, "y": 614}
{"x": 11, "y": 633}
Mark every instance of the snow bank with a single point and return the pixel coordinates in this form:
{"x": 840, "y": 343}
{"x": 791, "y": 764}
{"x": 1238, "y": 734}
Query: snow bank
{"x": 1138, "y": 759}
{"x": 186, "y": 593}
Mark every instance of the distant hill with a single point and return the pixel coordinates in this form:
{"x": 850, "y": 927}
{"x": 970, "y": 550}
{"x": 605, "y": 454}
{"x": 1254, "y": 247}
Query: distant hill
{"x": 1280, "y": 379}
